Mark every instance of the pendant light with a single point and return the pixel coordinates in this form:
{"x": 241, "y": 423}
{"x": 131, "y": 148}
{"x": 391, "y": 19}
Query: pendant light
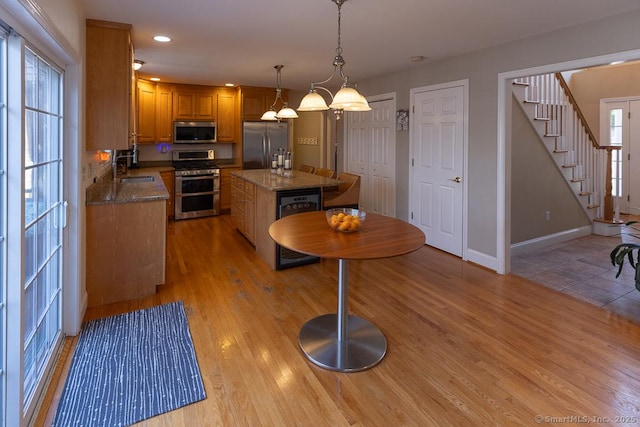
{"x": 285, "y": 112}
{"x": 347, "y": 98}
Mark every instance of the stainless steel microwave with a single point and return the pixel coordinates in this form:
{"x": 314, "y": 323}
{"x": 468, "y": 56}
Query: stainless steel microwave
{"x": 194, "y": 132}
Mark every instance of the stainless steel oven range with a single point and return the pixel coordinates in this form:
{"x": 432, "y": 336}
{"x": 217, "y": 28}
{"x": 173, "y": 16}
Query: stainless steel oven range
{"x": 197, "y": 184}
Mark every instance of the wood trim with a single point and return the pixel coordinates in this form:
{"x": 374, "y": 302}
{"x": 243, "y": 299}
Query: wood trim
{"x": 108, "y": 24}
{"x": 36, "y": 12}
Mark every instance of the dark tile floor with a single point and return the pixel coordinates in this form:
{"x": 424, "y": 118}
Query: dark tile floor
{"x": 581, "y": 267}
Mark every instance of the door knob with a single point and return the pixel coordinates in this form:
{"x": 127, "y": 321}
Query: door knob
{"x": 456, "y": 179}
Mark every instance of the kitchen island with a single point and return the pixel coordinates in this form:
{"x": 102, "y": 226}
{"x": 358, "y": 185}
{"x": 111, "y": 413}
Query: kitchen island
{"x": 255, "y": 196}
{"x": 126, "y": 236}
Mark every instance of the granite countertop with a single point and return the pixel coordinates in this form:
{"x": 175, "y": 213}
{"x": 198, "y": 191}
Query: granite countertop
{"x": 273, "y": 182}
{"x": 106, "y": 191}
{"x": 227, "y": 165}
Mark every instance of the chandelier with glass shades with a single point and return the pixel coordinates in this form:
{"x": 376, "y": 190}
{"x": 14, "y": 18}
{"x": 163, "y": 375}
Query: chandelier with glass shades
{"x": 347, "y": 98}
{"x": 285, "y": 112}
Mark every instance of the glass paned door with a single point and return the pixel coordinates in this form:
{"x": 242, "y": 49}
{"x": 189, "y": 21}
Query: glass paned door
{"x": 43, "y": 209}
{"x": 616, "y": 138}
{"x": 614, "y": 130}
{"x": 3, "y": 225}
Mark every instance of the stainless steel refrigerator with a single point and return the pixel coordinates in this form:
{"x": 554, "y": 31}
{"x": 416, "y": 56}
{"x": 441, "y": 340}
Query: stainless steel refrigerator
{"x": 260, "y": 140}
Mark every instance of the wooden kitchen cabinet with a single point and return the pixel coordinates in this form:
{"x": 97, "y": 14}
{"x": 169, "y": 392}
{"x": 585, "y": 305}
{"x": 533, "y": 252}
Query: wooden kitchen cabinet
{"x": 126, "y": 250}
{"x": 154, "y": 112}
{"x": 168, "y": 179}
{"x": 164, "y": 113}
{"x": 227, "y": 123}
{"x": 257, "y": 100}
{"x": 250, "y": 211}
{"x": 146, "y": 124}
{"x": 237, "y": 202}
{"x": 109, "y": 76}
{"x": 191, "y": 102}
{"x": 243, "y": 207}
{"x": 185, "y": 102}
{"x": 225, "y": 188}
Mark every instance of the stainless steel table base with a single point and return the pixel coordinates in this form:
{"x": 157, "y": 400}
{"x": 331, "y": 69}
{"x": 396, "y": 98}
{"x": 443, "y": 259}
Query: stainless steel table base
{"x": 362, "y": 348}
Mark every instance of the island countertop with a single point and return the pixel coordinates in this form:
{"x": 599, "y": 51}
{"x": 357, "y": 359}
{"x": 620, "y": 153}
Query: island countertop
{"x": 274, "y": 182}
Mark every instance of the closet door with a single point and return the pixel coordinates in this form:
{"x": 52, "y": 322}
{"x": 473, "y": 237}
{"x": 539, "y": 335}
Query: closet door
{"x": 371, "y": 152}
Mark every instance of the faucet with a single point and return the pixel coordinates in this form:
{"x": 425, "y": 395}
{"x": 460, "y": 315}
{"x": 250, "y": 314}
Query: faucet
{"x": 115, "y": 156}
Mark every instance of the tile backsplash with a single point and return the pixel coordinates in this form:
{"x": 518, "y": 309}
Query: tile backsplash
{"x": 96, "y": 165}
{"x": 162, "y": 151}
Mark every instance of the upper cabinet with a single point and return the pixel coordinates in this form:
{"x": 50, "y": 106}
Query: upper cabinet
{"x": 160, "y": 104}
{"x": 146, "y": 129}
{"x": 154, "y": 112}
{"x": 164, "y": 113}
{"x": 110, "y": 121}
{"x": 257, "y": 100}
{"x": 227, "y": 122}
{"x": 191, "y": 102}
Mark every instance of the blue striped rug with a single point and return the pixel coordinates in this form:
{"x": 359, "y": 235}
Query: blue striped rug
{"x": 131, "y": 367}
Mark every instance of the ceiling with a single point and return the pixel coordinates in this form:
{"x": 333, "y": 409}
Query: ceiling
{"x": 240, "y": 41}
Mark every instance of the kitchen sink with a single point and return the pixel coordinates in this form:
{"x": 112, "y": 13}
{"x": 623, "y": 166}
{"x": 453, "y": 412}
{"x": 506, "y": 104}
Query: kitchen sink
{"x": 134, "y": 179}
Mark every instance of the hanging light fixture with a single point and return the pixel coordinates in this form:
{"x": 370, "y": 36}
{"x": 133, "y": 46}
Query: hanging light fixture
{"x": 285, "y": 112}
{"x": 137, "y": 64}
{"x": 347, "y": 98}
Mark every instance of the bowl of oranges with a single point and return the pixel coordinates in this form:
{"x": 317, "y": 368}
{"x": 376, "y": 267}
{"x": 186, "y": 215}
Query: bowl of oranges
{"x": 346, "y": 220}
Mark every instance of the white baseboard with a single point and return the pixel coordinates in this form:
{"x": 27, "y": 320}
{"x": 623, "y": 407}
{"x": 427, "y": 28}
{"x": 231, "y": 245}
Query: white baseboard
{"x": 607, "y": 229}
{"x": 551, "y": 239}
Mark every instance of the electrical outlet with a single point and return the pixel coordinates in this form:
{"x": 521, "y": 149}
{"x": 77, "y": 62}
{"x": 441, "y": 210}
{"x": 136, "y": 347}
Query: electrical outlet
{"x": 307, "y": 141}
{"x": 547, "y": 216}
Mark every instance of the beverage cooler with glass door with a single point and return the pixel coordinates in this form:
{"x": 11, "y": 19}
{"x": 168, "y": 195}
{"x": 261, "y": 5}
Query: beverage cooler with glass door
{"x": 290, "y": 202}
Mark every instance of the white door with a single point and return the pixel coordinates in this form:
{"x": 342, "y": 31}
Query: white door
{"x": 620, "y": 125}
{"x": 437, "y": 152}
{"x": 371, "y": 152}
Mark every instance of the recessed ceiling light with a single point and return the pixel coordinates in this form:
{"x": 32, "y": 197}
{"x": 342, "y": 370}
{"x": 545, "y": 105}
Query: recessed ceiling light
{"x": 229, "y": 84}
{"x": 155, "y": 79}
{"x": 162, "y": 39}
{"x": 417, "y": 58}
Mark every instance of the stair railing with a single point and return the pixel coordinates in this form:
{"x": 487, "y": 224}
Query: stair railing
{"x": 573, "y": 137}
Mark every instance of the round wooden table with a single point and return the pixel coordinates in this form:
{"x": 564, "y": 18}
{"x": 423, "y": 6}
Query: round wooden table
{"x": 340, "y": 341}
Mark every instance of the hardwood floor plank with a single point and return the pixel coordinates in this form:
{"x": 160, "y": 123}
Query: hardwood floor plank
{"x": 465, "y": 346}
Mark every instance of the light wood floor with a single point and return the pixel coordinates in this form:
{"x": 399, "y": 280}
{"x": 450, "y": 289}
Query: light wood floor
{"x": 466, "y": 346}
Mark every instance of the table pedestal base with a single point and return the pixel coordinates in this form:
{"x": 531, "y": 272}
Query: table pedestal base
{"x": 363, "y": 347}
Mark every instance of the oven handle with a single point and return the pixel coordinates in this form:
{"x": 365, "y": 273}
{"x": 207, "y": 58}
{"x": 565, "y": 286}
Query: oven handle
{"x": 197, "y": 177}
{"x": 182, "y": 195}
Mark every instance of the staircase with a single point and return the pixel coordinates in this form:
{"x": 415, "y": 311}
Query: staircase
{"x": 556, "y": 117}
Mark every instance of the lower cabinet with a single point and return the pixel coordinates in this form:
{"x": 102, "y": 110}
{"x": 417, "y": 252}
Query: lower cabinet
{"x": 168, "y": 178}
{"x": 225, "y": 188}
{"x": 243, "y": 207}
{"x": 126, "y": 250}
